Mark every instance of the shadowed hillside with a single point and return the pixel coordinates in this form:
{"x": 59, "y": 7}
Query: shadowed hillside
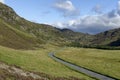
{"x": 110, "y": 38}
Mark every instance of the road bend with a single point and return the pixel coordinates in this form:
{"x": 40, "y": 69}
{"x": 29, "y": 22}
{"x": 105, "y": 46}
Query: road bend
{"x": 80, "y": 69}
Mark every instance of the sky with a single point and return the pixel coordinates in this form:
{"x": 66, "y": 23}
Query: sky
{"x": 87, "y": 16}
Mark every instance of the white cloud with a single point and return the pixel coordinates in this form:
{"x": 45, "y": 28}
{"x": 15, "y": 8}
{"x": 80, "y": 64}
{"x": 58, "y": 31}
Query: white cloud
{"x": 2, "y": 1}
{"x": 95, "y": 23}
{"x": 59, "y": 25}
{"x": 92, "y": 24}
{"x": 118, "y": 8}
{"x": 67, "y": 8}
{"x": 65, "y": 5}
{"x": 97, "y": 9}
{"x": 118, "y": 5}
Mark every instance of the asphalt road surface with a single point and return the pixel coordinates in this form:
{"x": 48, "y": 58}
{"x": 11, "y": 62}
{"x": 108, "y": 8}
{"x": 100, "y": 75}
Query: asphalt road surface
{"x": 80, "y": 69}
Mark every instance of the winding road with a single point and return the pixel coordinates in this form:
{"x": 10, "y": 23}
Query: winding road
{"x": 80, "y": 69}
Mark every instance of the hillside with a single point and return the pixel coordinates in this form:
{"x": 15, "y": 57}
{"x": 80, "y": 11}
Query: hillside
{"x": 36, "y": 34}
{"x": 14, "y": 38}
{"x": 24, "y": 48}
{"x": 110, "y": 38}
{"x": 15, "y": 30}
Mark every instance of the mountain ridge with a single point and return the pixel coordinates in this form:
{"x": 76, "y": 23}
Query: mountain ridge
{"x": 37, "y": 35}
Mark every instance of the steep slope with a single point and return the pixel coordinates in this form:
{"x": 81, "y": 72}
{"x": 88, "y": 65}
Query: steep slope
{"x": 40, "y": 33}
{"x": 11, "y": 37}
{"x": 25, "y": 34}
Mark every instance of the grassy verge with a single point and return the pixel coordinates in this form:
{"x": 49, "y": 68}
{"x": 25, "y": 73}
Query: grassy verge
{"x": 37, "y": 61}
{"x": 106, "y": 62}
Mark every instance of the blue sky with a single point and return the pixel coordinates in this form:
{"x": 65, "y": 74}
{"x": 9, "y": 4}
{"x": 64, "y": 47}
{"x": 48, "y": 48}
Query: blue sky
{"x": 72, "y": 14}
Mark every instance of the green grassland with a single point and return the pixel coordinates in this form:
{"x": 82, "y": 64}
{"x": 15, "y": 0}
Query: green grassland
{"x": 21, "y": 38}
{"x": 103, "y": 61}
{"x": 37, "y": 61}
{"x": 13, "y": 38}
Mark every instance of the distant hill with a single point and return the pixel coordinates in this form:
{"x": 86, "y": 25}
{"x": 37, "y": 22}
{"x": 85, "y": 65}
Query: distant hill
{"x": 16, "y": 32}
{"x": 19, "y": 33}
{"x": 110, "y": 38}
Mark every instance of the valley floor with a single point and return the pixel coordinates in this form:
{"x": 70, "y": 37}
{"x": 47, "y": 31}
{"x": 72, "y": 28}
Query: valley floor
{"x": 105, "y": 62}
{"x": 36, "y": 61}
